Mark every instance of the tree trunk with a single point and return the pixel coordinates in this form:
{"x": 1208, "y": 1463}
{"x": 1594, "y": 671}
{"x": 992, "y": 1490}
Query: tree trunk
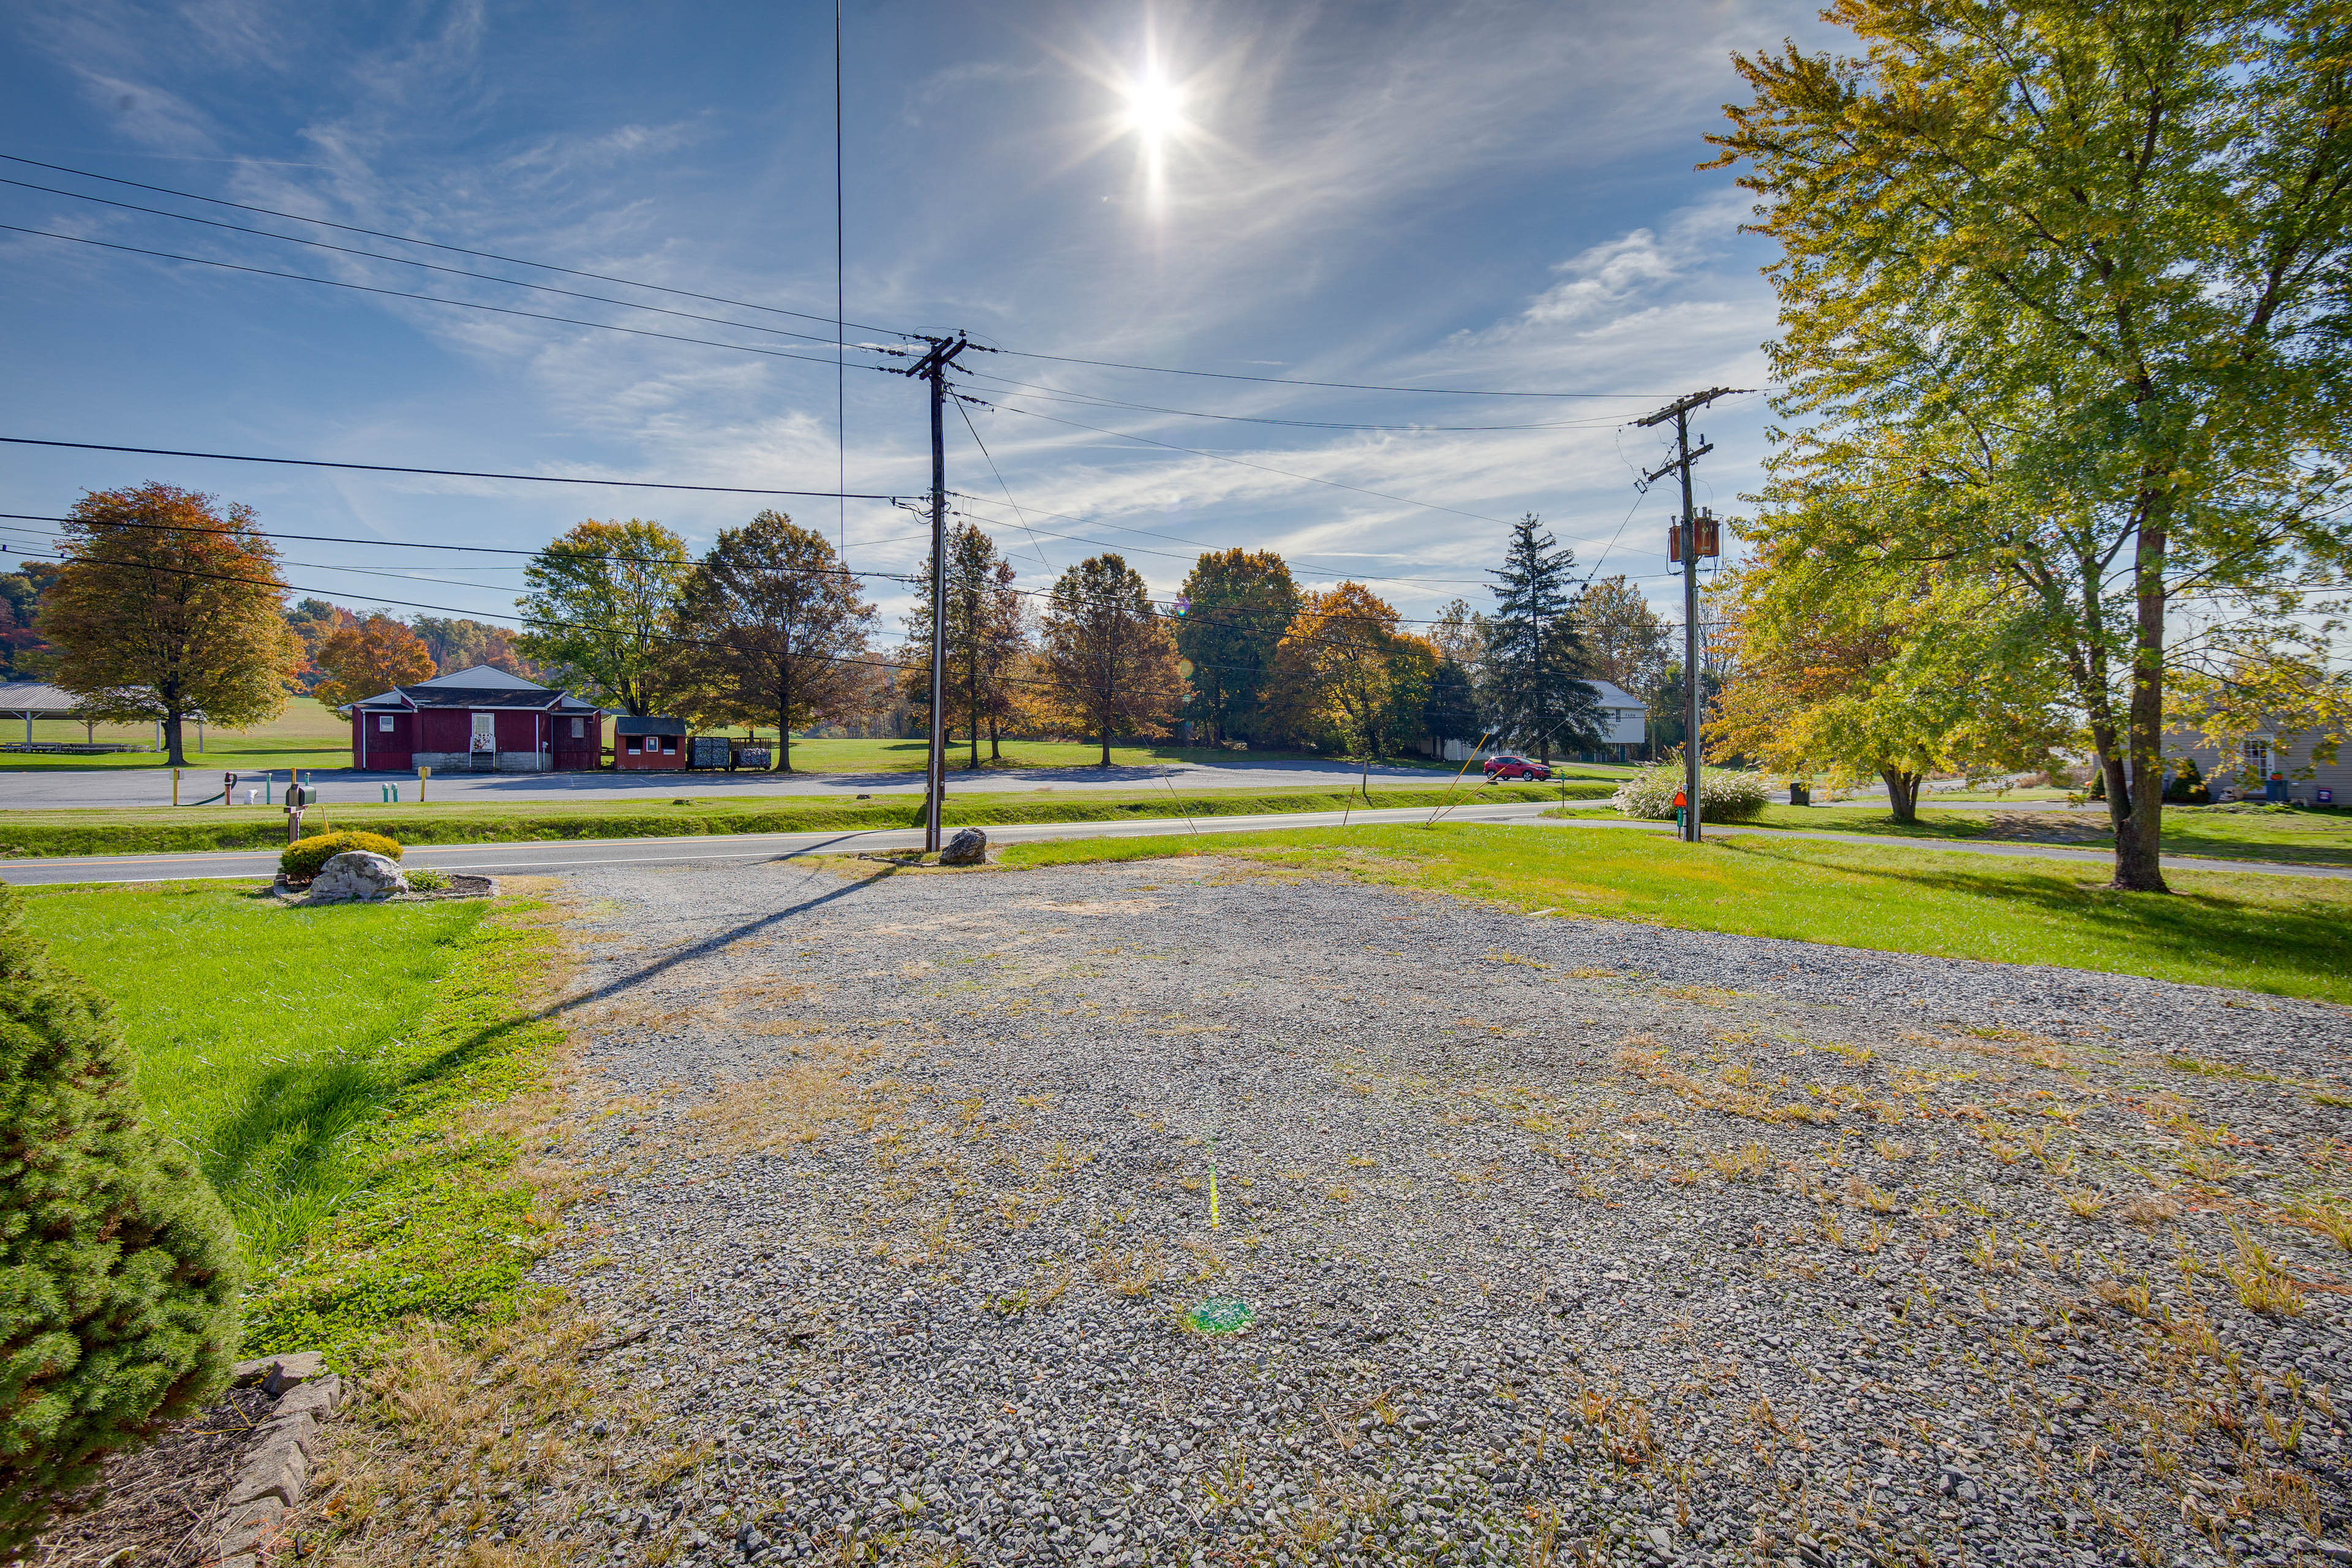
{"x": 995, "y": 751}
{"x": 2139, "y": 820}
{"x": 785, "y": 727}
{"x": 1902, "y": 794}
{"x": 174, "y": 757}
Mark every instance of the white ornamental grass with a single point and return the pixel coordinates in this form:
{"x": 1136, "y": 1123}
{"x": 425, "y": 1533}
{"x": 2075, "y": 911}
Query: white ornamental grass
{"x": 1725, "y": 794}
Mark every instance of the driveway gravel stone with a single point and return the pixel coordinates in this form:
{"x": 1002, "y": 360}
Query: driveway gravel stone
{"x": 1565, "y": 1239}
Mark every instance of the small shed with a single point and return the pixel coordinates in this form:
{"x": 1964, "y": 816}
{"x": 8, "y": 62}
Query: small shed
{"x": 657, "y": 740}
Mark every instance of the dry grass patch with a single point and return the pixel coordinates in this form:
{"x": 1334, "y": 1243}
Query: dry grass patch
{"x": 455, "y": 1439}
{"x": 824, "y": 1088}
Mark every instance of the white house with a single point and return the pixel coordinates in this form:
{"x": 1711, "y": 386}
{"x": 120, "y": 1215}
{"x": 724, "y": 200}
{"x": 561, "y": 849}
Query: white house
{"x": 1624, "y": 728}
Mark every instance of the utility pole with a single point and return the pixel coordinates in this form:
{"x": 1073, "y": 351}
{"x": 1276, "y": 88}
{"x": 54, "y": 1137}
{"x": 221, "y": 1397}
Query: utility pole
{"x": 933, "y": 367}
{"x": 1684, "y": 546}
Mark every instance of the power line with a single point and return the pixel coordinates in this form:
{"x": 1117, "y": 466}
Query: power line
{"x": 409, "y": 544}
{"x": 833, "y": 342}
{"x": 433, "y": 299}
{"x": 1239, "y": 462}
{"x": 836, "y": 320}
{"x": 440, "y": 473}
{"x": 1294, "y": 380}
{"x": 435, "y": 245}
{"x": 1059, "y": 394}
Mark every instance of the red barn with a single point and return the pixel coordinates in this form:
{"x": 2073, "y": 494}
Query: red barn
{"x": 477, "y": 720}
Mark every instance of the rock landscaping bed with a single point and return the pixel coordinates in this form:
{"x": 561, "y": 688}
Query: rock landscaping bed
{"x": 212, "y": 1489}
{"x": 1558, "y": 1240}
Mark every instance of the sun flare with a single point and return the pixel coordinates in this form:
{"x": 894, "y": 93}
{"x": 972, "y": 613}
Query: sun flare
{"x": 1155, "y": 107}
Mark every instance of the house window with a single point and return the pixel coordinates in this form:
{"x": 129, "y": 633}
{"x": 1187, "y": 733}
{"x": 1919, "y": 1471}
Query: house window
{"x": 669, "y": 745}
{"x": 2256, "y": 752}
{"x": 384, "y": 722}
{"x": 635, "y": 745}
{"x": 579, "y": 727}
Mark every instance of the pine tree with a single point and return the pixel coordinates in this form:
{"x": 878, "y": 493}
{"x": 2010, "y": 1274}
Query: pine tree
{"x": 119, "y": 1272}
{"x": 1536, "y": 693}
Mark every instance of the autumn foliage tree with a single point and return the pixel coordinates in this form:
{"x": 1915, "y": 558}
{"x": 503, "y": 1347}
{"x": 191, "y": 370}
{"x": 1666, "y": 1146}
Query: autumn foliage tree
{"x": 985, "y": 640}
{"x": 1346, "y": 674}
{"x": 770, "y": 629}
{"x": 167, "y": 605}
{"x": 1899, "y": 672}
{"x": 370, "y": 656}
{"x": 1107, "y": 653}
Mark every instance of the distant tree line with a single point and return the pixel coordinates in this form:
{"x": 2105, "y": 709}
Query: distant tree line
{"x": 167, "y": 605}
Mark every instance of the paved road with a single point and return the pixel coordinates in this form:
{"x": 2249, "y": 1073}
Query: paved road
{"x": 64, "y": 789}
{"x": 572, "y": 855}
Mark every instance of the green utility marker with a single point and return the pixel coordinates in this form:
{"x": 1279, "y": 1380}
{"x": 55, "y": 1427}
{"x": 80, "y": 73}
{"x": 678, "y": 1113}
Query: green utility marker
{"x": 1220, "y": 1315}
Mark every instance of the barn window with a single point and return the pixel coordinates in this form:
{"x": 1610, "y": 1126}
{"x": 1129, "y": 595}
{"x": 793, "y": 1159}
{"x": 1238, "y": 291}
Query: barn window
{"x": 579, "y": 727}
{"x": 384, "y": 722}
{"x": 669, "y": 745}
{"x": 635, "y": 745}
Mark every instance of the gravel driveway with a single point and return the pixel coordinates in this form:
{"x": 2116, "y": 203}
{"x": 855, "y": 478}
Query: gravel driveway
{"x": 1560, "y": 1237}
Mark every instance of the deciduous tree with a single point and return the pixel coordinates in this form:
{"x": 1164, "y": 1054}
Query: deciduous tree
{"x": 1347, "y": 674}
{"x": 599, "y": 610}
{"x": 370, "y": 656}
{"x": 986, "y": 634}
{"x": 2079, "y": 264}
{"x": 1107, "y": 653}
{"x": 459, "y": 643}
{"x": 770, "y": 630}
{"x": 1241, "y": 602}
{"x": 166, "y": 604}
{"x": 1900, "y": 672}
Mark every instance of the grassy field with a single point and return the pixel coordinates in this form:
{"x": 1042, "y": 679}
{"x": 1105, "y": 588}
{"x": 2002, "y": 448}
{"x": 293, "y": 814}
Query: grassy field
{"x": 307, "y": 735}
{"x": 162, "y": 829}
{"x": 2291, "y": 936}
{"x": 2226, "y": 832}
{"x": 316, "y": 1062}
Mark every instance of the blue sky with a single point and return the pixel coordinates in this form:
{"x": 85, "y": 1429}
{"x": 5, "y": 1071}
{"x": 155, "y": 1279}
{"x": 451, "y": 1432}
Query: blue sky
{"x": 1496, "y": 196}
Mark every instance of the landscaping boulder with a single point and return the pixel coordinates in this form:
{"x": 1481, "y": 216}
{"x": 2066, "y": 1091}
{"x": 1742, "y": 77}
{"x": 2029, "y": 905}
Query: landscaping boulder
{"x": 968, "y": 847}
{"x": 356, "y": 877}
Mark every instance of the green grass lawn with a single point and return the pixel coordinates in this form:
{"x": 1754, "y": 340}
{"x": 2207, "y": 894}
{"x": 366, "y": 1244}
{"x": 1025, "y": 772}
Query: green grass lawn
{"x": 2223, "y": 833}
{"x": 164, "y": 829}
{"x": 265, "y": 1036}
{"x": 328, "y": 1069}
{"x": 2288, "y": 935}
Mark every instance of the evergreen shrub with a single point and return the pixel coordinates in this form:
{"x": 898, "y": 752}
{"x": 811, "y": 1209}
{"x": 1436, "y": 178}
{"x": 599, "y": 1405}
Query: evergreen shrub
{"x": 1725, "y": 794}
{"x": 119, "y": 1268}
{"x": 304, "y": 858}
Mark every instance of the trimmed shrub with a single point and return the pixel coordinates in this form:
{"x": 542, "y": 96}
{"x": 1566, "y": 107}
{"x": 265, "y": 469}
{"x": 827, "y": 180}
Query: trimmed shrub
{"x": 118, "y": 1270}
{"x": 302, "y": 859}
{"x": 1725, "y": 794}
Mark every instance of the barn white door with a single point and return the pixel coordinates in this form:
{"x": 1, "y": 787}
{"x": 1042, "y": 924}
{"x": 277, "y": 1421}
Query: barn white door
{"x": 486, "y": 733}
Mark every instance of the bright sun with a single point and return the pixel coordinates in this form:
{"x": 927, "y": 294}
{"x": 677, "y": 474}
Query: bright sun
{"x": 1155, "y": 108}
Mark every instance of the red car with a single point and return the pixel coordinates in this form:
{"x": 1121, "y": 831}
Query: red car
{"x": 1515, "y": 768}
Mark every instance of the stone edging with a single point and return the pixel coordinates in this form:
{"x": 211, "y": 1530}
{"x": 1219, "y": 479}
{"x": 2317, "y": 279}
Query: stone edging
{"x": 274, "y": 1472}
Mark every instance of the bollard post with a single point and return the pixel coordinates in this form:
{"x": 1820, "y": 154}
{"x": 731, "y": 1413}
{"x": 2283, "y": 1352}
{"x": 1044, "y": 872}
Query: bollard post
{"x": 421, "y": 775}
